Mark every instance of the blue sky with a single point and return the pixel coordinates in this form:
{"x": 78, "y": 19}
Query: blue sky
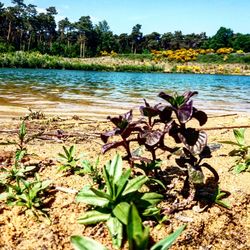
{"x": 156, "y": 15}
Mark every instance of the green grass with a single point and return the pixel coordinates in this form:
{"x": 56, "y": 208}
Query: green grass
{"x": 22, "y": 59}
{"x": 232, "y": 58}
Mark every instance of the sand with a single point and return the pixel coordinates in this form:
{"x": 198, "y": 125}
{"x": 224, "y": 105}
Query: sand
{"x": 214, "y": 228}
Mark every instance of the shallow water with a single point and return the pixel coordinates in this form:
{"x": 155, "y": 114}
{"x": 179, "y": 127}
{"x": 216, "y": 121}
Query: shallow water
{"x": 106, "y": 92}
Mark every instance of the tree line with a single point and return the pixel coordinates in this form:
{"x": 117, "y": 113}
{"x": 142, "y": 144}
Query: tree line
{"x": 22, "y": 27}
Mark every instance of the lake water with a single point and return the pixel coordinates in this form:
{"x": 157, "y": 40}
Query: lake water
{"x": 100, "y": 93}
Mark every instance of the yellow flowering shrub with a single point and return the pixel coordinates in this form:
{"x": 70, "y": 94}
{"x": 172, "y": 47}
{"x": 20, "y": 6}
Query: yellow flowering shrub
{"x": 181, "y": 55}
{"x": 237, "y": 70}
{"x": 240, "y": 51}
{"x": 113, "y": 53}
{"x": 187, "y": 69}
{"x": 220, "y": 69}
{"x": 104, "y": 53}
{"x": 224, "y": 51}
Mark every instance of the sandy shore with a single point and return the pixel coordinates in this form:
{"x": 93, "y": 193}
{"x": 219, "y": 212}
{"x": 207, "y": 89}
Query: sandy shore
{"x": 19, "y": 231}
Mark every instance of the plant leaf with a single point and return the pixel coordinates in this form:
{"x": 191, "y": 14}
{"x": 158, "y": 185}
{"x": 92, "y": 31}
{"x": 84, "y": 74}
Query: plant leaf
{"x": 22, "y": 131}
{"x": 93, "y": 217}
{"x": 121, "y": 212}
{"x": 115, "y": 168}
{"x": 166, "y": 97}
{"x": 86, "y": 195}
{"x": 195, "y": 141}
{"x": 240, "y": 168}
{"x": 101, "y": 194}
{"x": 111, "y": 145}
{"x": 122, "y": 183}
{"x": 135, "y": 184}
{"x": 239, "y": 135}
{"x": 116, "y": 230}
{"x": 169, "y": 240}
{"x": 108, "y": 181}
{"x": 138, "y": 236}
{"x": 230, "y": 143}
{"x": 158, "y": 182}
{"x": 185, "y": 111}
{"x": 200, "y": 116}
{"x": 152, "y": 198}
{"x": 108, "y": 134}
{"x": 85, "y": 243}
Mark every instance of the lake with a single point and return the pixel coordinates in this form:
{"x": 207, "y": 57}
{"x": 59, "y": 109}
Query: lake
{"x": 102, "y": 93}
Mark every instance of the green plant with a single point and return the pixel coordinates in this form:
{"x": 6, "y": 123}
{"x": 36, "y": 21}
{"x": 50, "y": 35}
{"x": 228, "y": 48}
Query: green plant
{"x": 242, "y": 162}
{"x": 112, "y": 203}
{"x": 21, "y": 143}
{"x": 15, "y": 173}
{"x": 93, "y": 171}
{"x": 138, "y": 236}
{"x": 218, "y": 196}
{"x": 28, "y": 194}
{"x": 149, "y": 167}
{"x": 68, "y": 160}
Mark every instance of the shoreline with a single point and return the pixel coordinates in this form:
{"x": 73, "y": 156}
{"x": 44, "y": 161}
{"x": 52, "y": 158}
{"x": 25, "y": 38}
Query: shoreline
{"x": 10, "y": 113}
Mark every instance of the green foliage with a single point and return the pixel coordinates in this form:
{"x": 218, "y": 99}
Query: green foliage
{"x": 85, "y": 243}
{"x": 138, "y": 236}
{"x": 71, "y": 163}
{"x": 22, "y": 59}
{"x": 28, "y": 194}
{"x": 218, "y": 196}
{"x": 222, "y": 39}
{"x": 138, "y": 68}
{"x": 21, "y": 151}
{"x": 210, "y": 58}
{"x": 68, "y": 160}
{"x": 242, "y": 42}
{"x": 14, "y": 174}
{"x": 242, "y": 162}
{"x": 21, "y": 143}
{"x": 23, "y": 28}
{"x": 166, "y": 243}
{"x": 149, "y": 167}
{"x": 93, "y": 171}
{"x": 112, "y": 204}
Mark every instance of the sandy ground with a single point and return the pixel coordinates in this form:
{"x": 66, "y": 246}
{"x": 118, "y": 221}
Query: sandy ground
{"x": 215, "y": 228}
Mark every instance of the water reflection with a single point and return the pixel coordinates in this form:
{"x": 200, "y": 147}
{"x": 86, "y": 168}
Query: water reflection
{"x": 105, "y": 90}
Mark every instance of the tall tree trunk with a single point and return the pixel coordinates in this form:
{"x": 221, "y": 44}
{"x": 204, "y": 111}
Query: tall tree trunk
{"x": 9, "y": 31}
{"x": 83, "y": 48}
{"x": 21, "y": 41}
{"x": 29, "y": 42}
{"x": 135, "y": 50}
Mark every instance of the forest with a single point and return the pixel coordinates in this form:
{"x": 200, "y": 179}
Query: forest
{"x": 23, "y": 28}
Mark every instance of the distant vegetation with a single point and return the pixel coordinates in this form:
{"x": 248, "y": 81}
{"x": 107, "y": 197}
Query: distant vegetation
{"x": 21, "y": 59}
{"x": 23, "y": 28}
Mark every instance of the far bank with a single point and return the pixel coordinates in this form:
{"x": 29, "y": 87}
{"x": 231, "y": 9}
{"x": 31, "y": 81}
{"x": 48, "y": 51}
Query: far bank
{"x": 127, "y": 63}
